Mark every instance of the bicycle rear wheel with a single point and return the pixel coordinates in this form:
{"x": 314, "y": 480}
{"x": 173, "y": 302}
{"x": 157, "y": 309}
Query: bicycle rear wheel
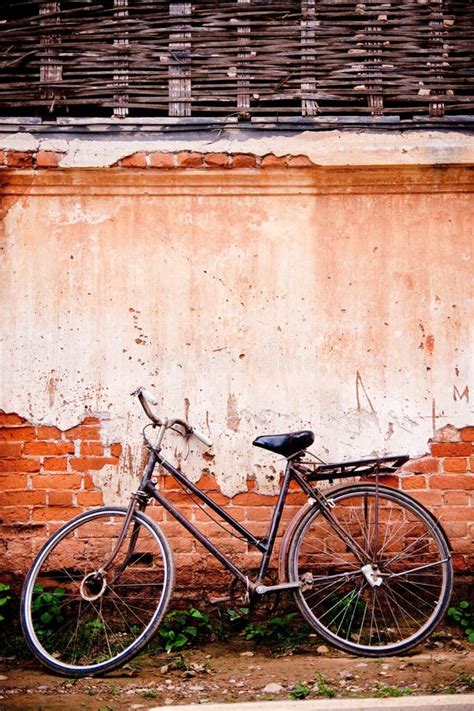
{"x": 79, "y": 622}
{"x": 389, "y": 597}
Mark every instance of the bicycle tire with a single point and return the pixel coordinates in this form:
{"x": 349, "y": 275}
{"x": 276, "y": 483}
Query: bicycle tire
{"x": 413, "y": 563}
{"x": 78, "y": 626}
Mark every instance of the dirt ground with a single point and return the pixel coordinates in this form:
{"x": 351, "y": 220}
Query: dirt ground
{"x": 239, "y": 671}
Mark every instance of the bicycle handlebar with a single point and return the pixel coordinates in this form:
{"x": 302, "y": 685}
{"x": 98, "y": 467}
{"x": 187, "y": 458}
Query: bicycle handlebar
{"x": 146, "y": 398}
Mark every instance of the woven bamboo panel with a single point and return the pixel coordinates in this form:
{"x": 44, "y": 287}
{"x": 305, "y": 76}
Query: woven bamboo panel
{"x": 241, "y": 59}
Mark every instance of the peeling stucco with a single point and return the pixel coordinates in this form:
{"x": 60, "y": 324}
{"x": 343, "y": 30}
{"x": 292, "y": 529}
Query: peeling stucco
{"x": 247, "y": 312}
{"x": 333, "y": 147}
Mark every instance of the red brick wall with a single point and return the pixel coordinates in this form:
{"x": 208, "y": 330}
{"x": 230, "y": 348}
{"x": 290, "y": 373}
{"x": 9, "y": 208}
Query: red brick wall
{"x": 46, "y": 478}
{"x": 183, "y": 159}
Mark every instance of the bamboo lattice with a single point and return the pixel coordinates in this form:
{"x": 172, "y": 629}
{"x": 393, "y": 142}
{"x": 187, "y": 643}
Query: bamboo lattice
{"x": 246, "y": 59}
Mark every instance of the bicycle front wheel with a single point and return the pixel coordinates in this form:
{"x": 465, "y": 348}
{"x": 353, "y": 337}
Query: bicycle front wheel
{"x": 80, "y": 621}
{"x": 375, "y": 580}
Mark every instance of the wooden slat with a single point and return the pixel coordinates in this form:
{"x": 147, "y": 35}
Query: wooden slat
{"x": 121, "y": 76}
{"x": 50, "y": 67}
{"x": 180, "y": 50}
{"x": 309, "y": 106}
{"x": 244, "y": 54}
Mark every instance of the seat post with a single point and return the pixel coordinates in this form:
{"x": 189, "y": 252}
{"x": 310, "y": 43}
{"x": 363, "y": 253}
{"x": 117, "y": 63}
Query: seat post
{"x": 275, "y": 522}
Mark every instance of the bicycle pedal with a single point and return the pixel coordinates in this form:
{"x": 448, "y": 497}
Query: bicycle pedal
{"x": 217, "y": 600}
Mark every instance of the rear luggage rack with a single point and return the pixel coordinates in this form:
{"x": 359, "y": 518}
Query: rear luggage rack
{"x": 361, "y": 467}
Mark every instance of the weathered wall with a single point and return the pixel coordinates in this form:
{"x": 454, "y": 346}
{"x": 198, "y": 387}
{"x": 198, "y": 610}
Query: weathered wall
{"x": 269, "y": 297}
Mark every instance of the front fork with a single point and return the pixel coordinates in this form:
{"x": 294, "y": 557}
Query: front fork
{"x": 138, "y": 502}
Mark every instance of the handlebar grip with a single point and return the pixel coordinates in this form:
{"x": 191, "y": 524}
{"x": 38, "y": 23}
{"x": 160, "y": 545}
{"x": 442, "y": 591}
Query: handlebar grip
{"x": 149, "y": 397}
{"x": 202, "y": 438}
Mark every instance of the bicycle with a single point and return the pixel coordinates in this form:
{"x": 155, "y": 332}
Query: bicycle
{"x": 369, "y": 567}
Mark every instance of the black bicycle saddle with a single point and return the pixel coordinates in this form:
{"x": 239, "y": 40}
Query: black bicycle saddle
{"x": 285, "y": 444}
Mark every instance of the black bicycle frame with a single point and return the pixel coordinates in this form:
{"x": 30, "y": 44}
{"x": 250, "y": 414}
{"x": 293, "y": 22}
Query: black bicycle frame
{"x": 265, "y": 545}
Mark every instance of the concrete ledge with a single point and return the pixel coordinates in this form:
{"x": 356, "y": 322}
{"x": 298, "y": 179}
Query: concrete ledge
{"x": 461, "y": 702}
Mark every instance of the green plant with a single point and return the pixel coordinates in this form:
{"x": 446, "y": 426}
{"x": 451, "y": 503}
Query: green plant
{"x": 150, "y": 694}
{"x": 464, "y": 617}
{"x": 324, "y": 687}
{"x": 46, "y": 609}
{"x": 181, "y": 628}
{"x": 229, "y": 621}
{"x": 346, "y": 611}
{"x": 281, "y": 631}
{"x": 383, "y": 692}
{"x": 301, "y": 691}
{"x": 466, "y": 679}
{"x": 4, "y": 598}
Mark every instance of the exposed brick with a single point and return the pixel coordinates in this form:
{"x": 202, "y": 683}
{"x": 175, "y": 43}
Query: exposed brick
{"x": 428, "y": 498}
{"x": 414, "y": 482}
{"x": 273, "y": 161}
{"x": 14, "y": 514}
{"x": 88, "y": 482}
{"x": 162, "y": 160}
{"x": 464, "y": 546}
{"x": 456, "y": 498}
{"x": 137, "y": 160}
{"x": 426, "y": 465}
{"x": 53, "y": 513}
{"x": 449, "y": 433}
{"x": 59, "y": 498}
{"x": 56, "y": 481}
{"x": 456, "y": 513}
{"x": 90, "y": 498}
{"x": 17, "y": 434}
{"x": 299, "y": 162}
{"x": 455, "y": 464}
{"x": 216, "y": 160}
{"x": 188, "y": 159}
{"x": 90, "y": 421}
{"x": 455, "y": 529}
{"x": 467, "y": 434}
{"x": 82, "y": 464}
{"x": 55, "y": 464}
{"x": 387, "y": 480}
{"x": 116, "y": 449}
{"x": 48, "y": 432}
{"x": 45, "y": 448}
{"x": 83, "y": 432}
{"x": 10, "y": 418}
{"x": 451, "y": 449}
{"x": 13, "y": 481}
{"x": 92, "y": 448}
{"x": 19, "y": 465}
{"x": 2, "y": 158}
{"x": 459, "y": 562}
{"x": 19, "y": 159}
{"x": 207, "y": 483}
{"x": 452, "y": 481}
{"x": 22, "y": 498}
{"x": 243, "y": 160}
{"x": 249, "y": 498}
{"x": 10, "y": 449}
{"x": 48, "y": 159}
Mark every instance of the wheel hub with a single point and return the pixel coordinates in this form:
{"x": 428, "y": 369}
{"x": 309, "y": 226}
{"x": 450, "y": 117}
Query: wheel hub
{"x": 372, "y": 575}
{"x": 93, "y": 586}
